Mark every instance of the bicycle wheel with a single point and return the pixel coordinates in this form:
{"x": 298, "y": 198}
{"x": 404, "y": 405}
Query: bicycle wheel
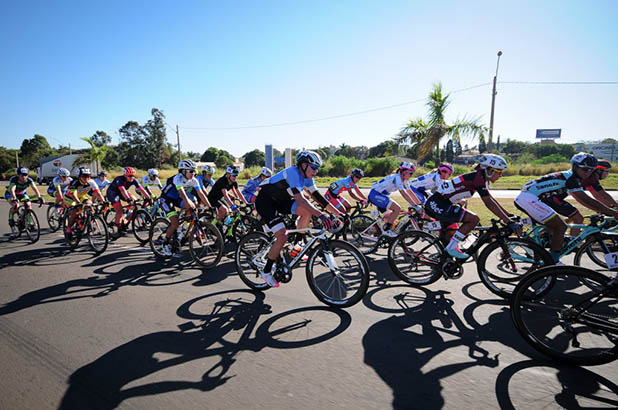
{"x": 140, "y": 225}
{"x": 206, "y": 245}
{"x": 251, "y": 255}
{"x": 156, "y": 237}
{"x": 31, "y": 226}
{"x": 502, "y": 264}
{"x": 592, "y": 252}
{"x": 243, "y": 226}
{"x": 364, "y": 233}
{"x": 414, "y": 256}
{"x": 98, "y": 235}
{"x": 338, "y": 277}
{"x": 72, "y": 239}
{"x": 575, "y": 321}
{"x": 53, "y": 217}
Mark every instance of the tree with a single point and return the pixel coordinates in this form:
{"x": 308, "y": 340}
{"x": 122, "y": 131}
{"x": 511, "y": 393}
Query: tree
{"x": 95, "y": 153}
{"x": 192, "y": 155}
{"x": 254, "y": 158}
{"x": 482, "y": 144}
{"x": 457, "y": 148}
{"x": 100, "y": 138}
{"x": 7, "y": 159}
{"x": 514, "y": 147}
{"x": 133, "y": 144}
{"x": 155, "y": 139}
{"x": 383, "y": 149}
{"x": 450, "y": 153}
{"x": 34, "y": 148}
{"x": 426, "y": 134}
{"x": 210, "y": 155}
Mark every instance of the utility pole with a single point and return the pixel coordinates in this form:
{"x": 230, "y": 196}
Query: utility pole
{"x": 70, "y": 151}
{"x": 17, "y": 158}
{"x": 493, "y": 101}
{"x": 178, "y": 139}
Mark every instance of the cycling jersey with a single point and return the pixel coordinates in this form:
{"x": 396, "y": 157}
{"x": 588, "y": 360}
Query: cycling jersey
{"x": 251, "y": 188}
{"x": 424, "y": 183}
{"x": 59, "y": 184}
{"x": 287, "y": 183}
{"x": 20, "y": 187}
{"x": 342, "y": 185}
{"x": 147, "y": 182}
{"x": 173, "y": 184}
{"x": 102, "y": 184}
{"x": 464, "y": 186}
{"x": 82, "y": 190}
{"x": 390, "y": 184}
{"x": 558, "y": 184}
{"x": 216, "y": 193}
{"x": 204, "y": 183}
{"x": 121, "y": 181}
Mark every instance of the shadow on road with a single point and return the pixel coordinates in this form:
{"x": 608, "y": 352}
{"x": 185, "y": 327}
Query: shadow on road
{"x": 220, "y": 326}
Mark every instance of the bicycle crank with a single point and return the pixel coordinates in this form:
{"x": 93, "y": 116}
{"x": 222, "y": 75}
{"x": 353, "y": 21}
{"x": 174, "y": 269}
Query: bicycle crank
{"x": 283, "y": 273}
{"x": 452, "y": 270}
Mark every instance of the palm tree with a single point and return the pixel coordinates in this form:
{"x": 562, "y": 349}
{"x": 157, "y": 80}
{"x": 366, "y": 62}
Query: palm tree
{"x": 425, "y": 135}
{"x": 95, "y": 153}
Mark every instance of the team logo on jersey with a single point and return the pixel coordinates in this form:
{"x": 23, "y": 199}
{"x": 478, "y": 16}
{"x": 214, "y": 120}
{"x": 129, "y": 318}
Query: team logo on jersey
{"x": 435, "y": 207}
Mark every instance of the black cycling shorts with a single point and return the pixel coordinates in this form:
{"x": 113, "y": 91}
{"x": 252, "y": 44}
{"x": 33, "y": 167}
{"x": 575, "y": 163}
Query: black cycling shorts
{"x": 560, "y": 205}
{"x": 271, "y": 210}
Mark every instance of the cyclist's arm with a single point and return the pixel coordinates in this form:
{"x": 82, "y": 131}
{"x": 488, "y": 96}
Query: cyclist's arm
{"x": 240, "y": 196}
{"x": 145, "y": 191}
{"x": 203, "y": 198}
{"x": 412, "y": 201}
{"x": 319, "y": 198}
{"x": 185, "y": 197}
{"x": 493, "y": 205}
{"x": 605, "y": 198}
{"x": 12, "y": 191}
{"x": 97, "y": 196}
{"x": 359, "y": 194}
{"x": 125, "y": 194}
{"x": 585, "y": 200}
{"x": 36, "y": 191}
{"x": 304, "y": 203}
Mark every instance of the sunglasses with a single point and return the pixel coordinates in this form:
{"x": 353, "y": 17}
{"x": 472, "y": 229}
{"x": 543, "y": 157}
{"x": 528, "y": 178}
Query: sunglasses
{"x": 314, "y": 167}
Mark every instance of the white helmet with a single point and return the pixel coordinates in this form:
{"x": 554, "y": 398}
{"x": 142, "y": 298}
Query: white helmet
{"x": 584, "y": 160}
{"x": 309, "y": 157}
{"x": 208, "y": 169}
{"x": 232, "y": 170}
{"x": 153, "y": 172}
{"x": 63, "y": 172}
{"x": 492, "y": 161}
{"x": 187, "y": 164}
{"x": 266, "y": 172}
{"x": 407, "y": 166}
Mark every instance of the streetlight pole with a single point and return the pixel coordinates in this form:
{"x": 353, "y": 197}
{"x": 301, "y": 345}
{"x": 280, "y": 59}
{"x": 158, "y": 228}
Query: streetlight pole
{"x": 493, "y": 102}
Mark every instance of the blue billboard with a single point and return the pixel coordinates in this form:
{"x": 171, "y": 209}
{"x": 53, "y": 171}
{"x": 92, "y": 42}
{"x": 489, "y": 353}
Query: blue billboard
{"x": 548, "y": 133}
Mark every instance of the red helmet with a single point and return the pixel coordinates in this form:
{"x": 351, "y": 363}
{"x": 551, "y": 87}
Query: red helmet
{"x": 130, "y": 171}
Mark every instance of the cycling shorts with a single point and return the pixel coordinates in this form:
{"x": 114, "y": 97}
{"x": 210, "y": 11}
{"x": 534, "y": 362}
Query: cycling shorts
{"x": 20, "y": 197}
{"x": 444, "y": 210}
{"x": 381, "y": 201}
{"x": 169, "y": 205}
{"x": 335, "y": 200}
{"x": 270, "y": 210}
{"x": 542, "y": 209}
{"x": 113, "y": 197}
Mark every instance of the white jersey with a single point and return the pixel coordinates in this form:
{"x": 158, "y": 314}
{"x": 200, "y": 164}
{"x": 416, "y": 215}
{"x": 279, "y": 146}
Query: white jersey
{"x": 63, "y": 184}
{"x": 146, "y": 181}
{"x": 427, "y": 182}
{"x": 390, "y": 184}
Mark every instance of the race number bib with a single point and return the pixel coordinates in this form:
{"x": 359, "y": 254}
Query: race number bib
{"x": 612, "y": 260}
{"x": 447, "y": 187}
{"x": 526, "y": 221}
{"x": 432, "y": 226}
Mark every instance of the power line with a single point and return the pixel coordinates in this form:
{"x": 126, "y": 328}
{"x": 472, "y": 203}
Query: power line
{"x": 561, "y": 82}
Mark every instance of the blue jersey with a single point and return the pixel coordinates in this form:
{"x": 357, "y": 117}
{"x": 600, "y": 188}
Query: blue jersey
{"x": 251, "y": 188}
{"x": 342, "y": 185}
{"x": 558, "y": 184}
{"x": 102, "y": 184}
{"x": 205, "y": 183}
{"x": 287, "y": 183}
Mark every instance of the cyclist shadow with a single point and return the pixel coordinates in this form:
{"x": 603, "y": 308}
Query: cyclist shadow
{"x": 215, "y": 337}
{"x": 380, "y": 270}
{"x": 399, "y": 346}
{"x": 36, "y": 257}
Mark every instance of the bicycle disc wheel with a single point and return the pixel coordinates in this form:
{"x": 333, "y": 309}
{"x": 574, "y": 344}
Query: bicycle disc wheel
{"x": 156, "y": 237}
{"x": 98, "y": 235}
{"x": 206, "y": 245}
{"x": 574, "y": 321}
{"x": 364, "y": 233}
{"x": 503, "y": 263}
{"x": 53, "y": 218}
{"x": 414, "y": 256}
{"x": 251, "y": 255}
{"x": 339, "y": 276}
{"x": 31, "y": 226}
{"x": 140, "y": 225}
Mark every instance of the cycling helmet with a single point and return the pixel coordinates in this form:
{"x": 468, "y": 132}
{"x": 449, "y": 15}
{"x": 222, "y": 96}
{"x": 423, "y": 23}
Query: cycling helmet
{"x": 187, "y": 164}
{"x": 129, "y": 171}
{"x": 22, "y": 171}
{"x": 84, "y": 171}
{"x": 407, "y": 166}
{"x": 63, "y": 172}
{"x": 153, "y": 172}
{"x": 102, "y": 174}
{"x": 208, "y": 169}
{"x": 603, "y": 164}
{"x": 232, "y": 170}
{"x": 492, "y": 161}
{"x": 357, "y": 172}
{"x": 309, "y": 157}
{"x": 584, "y": 160}
{"x": 266, "y": 172}
{"x": 445, "y": 166}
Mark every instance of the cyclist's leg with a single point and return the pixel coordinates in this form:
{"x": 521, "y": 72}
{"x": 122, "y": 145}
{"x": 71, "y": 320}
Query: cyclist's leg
{"x": 542, "y": 212}
{"x": 576, "y": 218}
{"x": 394, "y": 209}
{"x": 448, "y": 213}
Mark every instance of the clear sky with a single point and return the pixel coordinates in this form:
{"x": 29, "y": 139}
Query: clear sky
{"x": 69, "y": 68}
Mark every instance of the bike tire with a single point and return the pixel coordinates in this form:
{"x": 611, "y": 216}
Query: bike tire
{"x": 251, "y": 254}
{"x": 524, "y": 256}
{"x": 75, "y": 236}
{"x": 415, "y": 257}
{"x": 140, "y": 225}
{"x": 54, "y": 219}
{"x": 348, "y": 284}
{"x": 548, "y": 322}
{"x": 364, "y": 234}
{"x": 158, "y": 227}
{"x": 593, "y": 251}
{"x": 98, "y": 234}
{"x": 31, "y": 227}
{"x": 206, "y": 245}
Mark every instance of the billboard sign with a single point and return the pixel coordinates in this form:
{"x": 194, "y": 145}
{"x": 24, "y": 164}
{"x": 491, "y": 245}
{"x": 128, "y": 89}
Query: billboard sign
{"x": 268, "y": 153}
{"x": 605, "y": 151}
{"x": 548, "y": 134}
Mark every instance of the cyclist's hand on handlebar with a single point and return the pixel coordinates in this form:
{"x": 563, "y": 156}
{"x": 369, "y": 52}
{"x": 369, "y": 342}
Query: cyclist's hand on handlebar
{"x": 516, "y": 227}
{"x": 327, "y": 222}
{"x": 40, "y": 201}
{"x": 363, "y": 202}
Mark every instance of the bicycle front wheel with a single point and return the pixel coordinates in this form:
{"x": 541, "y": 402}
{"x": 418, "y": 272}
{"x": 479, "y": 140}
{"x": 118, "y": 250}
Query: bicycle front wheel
{"x": 98, "y": 235}
{"x": 72, "y": 239}
{"x": 338, "y": 276}
{"x": 574, "y": 321}
{"x": 414, "y": 256}
{"x": 53, "y": 218}
{"x": 251, "y": 255}
{"x": 364, "y": 233}
{"x": 140, "y": 225}
{"x": 592, "y": 252}
{"x": 31, "y": 226}
{"x": 158, "y": 228}
{"x": 206, "y": 245}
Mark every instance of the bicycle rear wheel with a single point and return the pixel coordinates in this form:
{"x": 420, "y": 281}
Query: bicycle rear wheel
{"x": 574, "y": 321}
{"x": 206, "y": 245}
{"x": 338, "y": 276}
{"x": 140, "y": 225}
{"x": 414, "y": 256}
{"x": 98, "y": 235}
{"x": 364, "y": 233}
{"x": 53, "y": 217}
{"x": 251, "y": 255}
{"x": 72, "y": 239}
{"x": 31, "y": 226}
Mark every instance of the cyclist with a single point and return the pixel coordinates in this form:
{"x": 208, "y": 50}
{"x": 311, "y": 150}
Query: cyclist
{"x": 253, "y": 185}
{"x": 543, "y": 199}
{"x": 16, "y": 192}
{"x": 282, "y": 194}
{"x": 78, "y": 192}
{"x": 205, "y": 179}
{"x": 151, "y": 179}
{"x": 101, "y": 180}
{"x": 593, "y": 184}
{"x": 60, "y": 185}
{"x": 380, "y": 191}
{"x": 175, "y": 192}
{"x": 442, "y": 205}
{"x": 119, "y": 190}
{"x": 349, "y": 184}
{"x": 219, "y": 195}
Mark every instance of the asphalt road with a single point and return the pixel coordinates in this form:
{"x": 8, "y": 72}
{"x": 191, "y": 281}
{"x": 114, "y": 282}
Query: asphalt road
{"x": 122, "y": 330}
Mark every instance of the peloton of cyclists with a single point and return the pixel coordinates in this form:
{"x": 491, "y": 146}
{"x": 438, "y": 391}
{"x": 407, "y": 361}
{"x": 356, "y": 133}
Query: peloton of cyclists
{"x": 280, "y": 195}
{"x": 350, "y": 184}
{"x": 16, "y": 193}
{"x": 60, "y": 186}
{"x": 80, "y": 190}
{"x": 118, "y": 191}
{"x": 253, "y": 185}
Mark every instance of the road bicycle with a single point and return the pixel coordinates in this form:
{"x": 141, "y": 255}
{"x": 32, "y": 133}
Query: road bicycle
{"x": 337, "y": 272}
{"x": 238, "y": 224}
{"x": 574, "y": 320}
{"x": 136, "y": 216}
{"x": 88, "y": 222}
{"x": 55, "y": 214}
{"x": 25, "y": 220}
{"x": 204, "y": 239}
{"x": 419, "y": 258}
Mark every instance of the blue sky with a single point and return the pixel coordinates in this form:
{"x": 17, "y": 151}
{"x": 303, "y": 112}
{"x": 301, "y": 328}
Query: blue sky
{"x": 69, "y": 68}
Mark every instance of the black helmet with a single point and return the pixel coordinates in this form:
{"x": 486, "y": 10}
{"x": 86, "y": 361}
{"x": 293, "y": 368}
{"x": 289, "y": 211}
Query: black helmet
{"x": 357, "y": 172}
{"x": 84, "y": 171}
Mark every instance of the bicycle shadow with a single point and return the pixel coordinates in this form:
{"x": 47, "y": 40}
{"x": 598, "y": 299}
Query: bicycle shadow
{"x": 37, "y": 257}
{"x": 225, "y": 323}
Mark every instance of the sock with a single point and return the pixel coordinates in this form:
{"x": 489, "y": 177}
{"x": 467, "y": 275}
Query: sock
{"x": 555, "y": 255}
{"x": 269, "y": 265}
{"x": 457, "y": 237}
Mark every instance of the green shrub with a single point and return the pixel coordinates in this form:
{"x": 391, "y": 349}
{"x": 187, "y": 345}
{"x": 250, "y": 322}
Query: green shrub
{"x": 550, "y": 159}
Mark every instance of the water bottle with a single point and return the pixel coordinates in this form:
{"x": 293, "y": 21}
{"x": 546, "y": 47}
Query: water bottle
{"x": 228, "y": 220}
